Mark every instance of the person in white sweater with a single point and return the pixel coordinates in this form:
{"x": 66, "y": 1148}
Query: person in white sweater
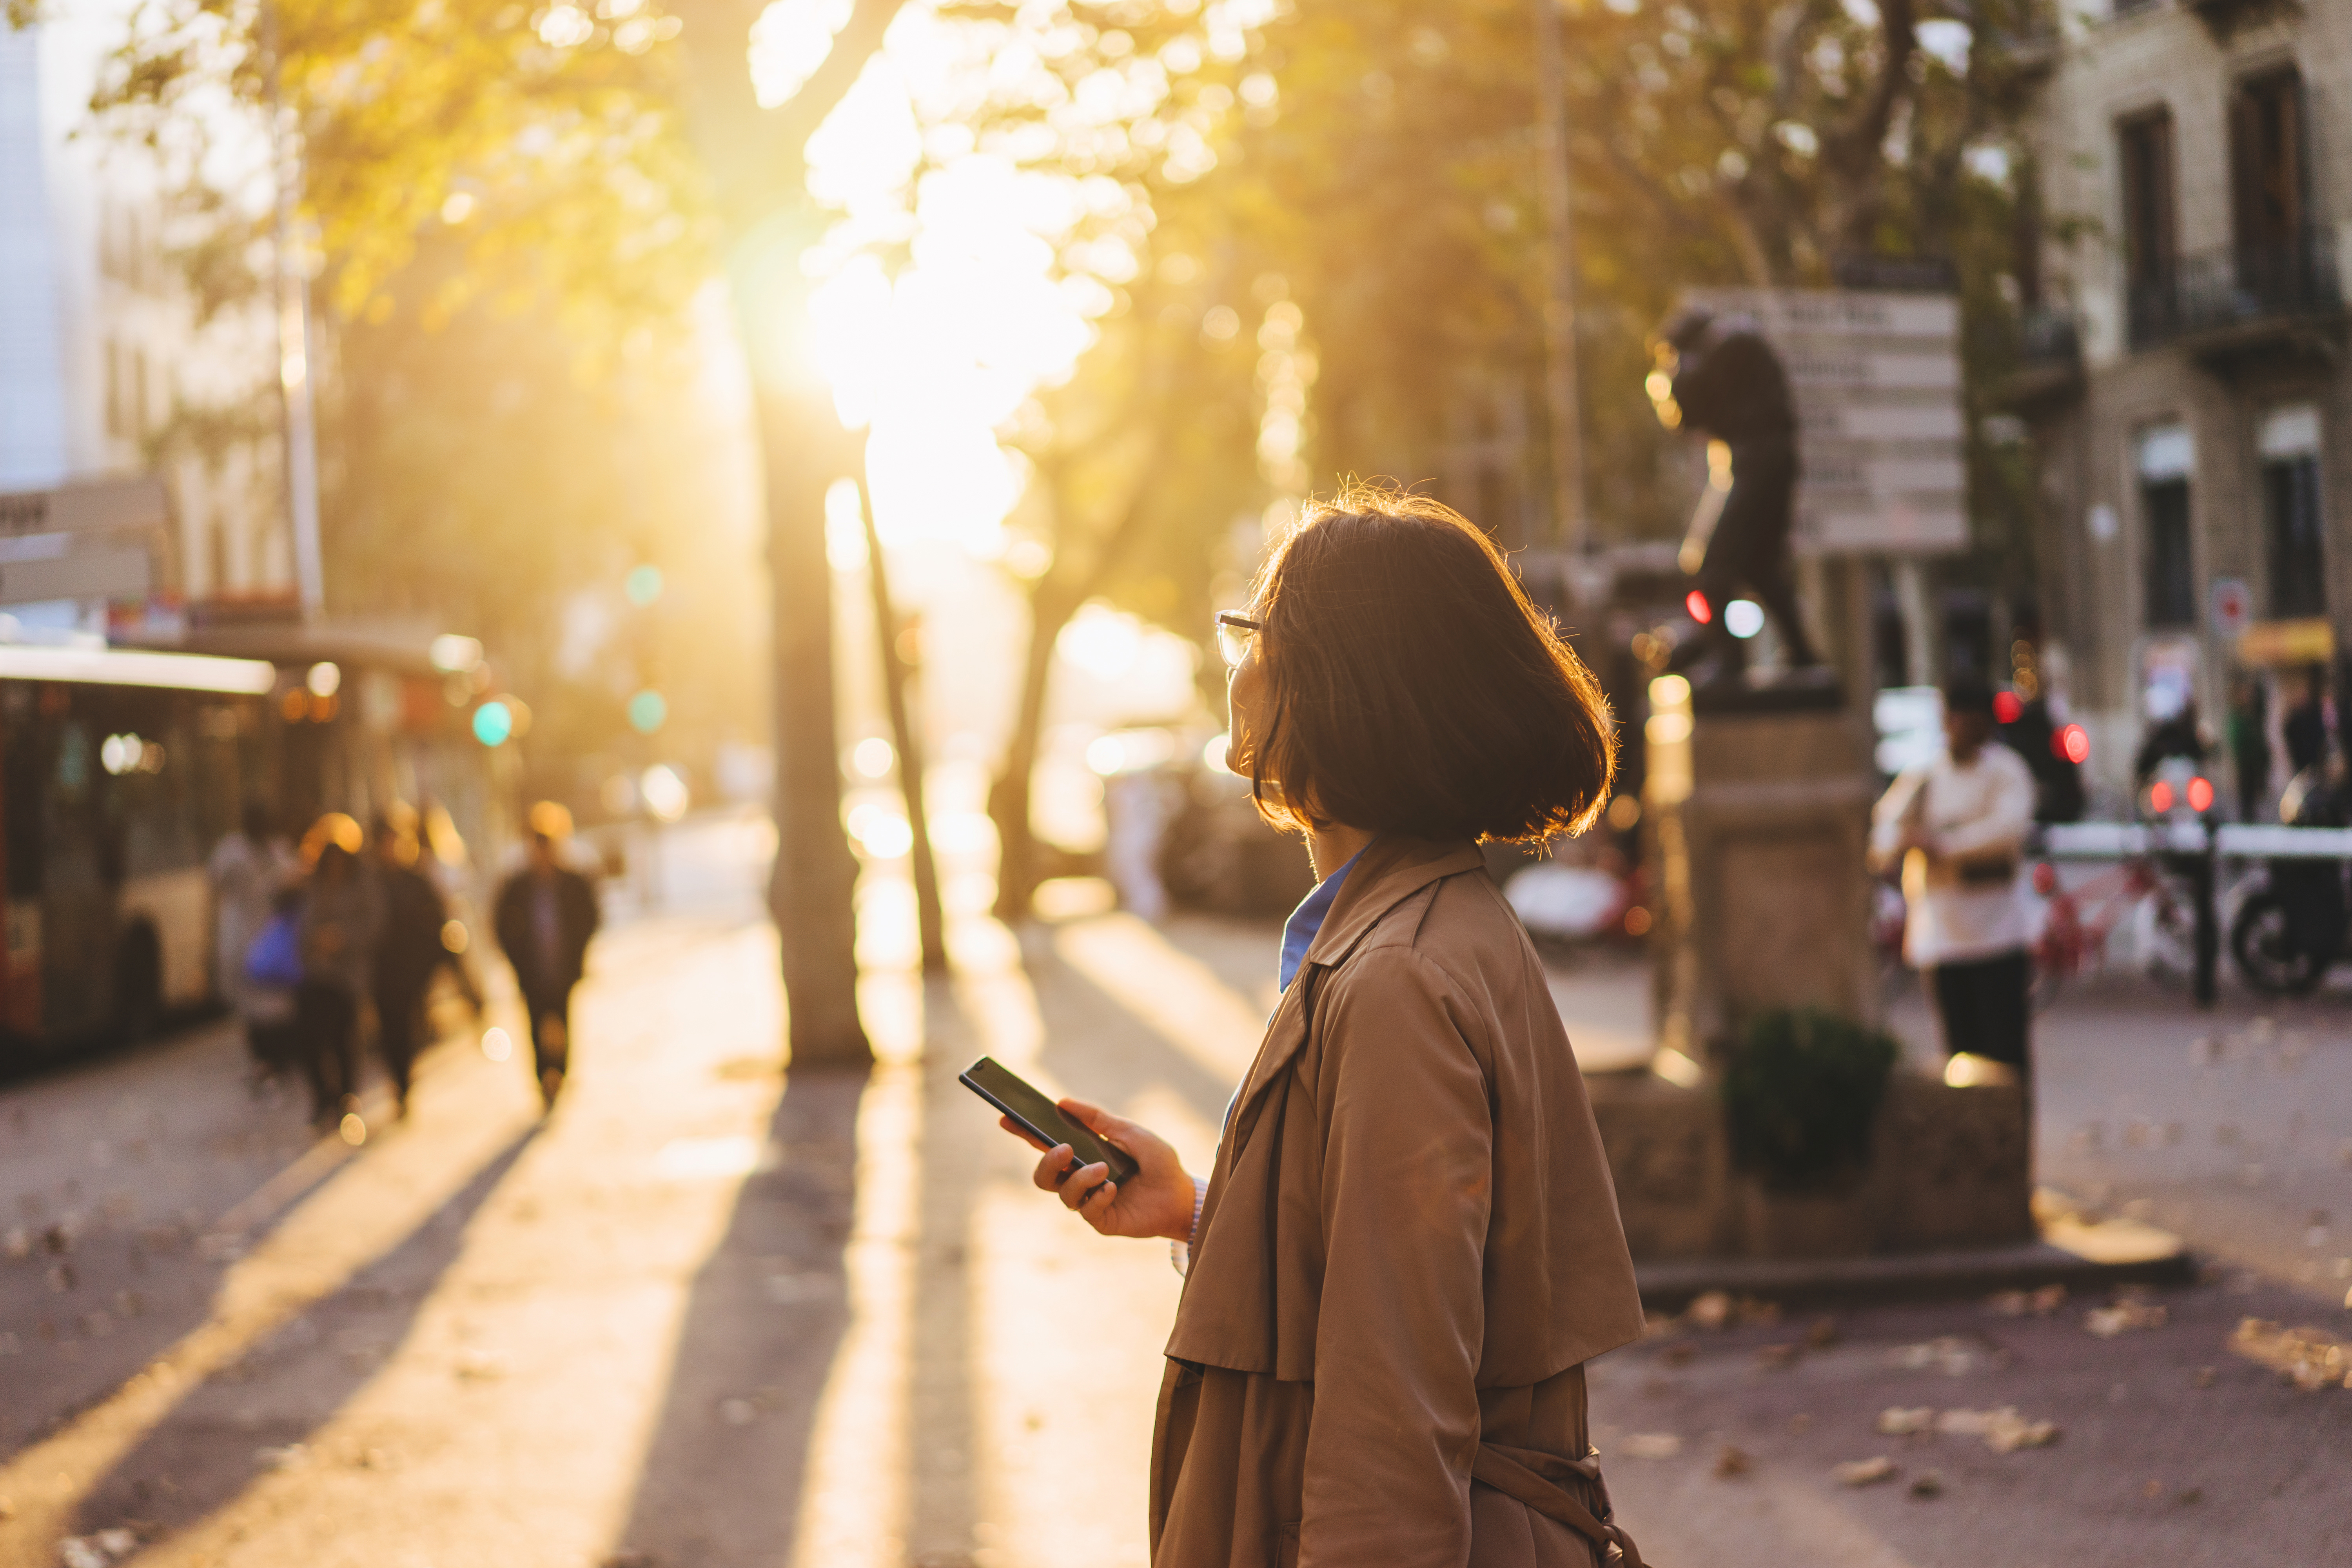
{"x": 1958, "y": 829}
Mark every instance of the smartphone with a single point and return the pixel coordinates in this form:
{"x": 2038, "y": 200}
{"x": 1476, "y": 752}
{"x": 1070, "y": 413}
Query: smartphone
{"x": 1039, "y": 1116}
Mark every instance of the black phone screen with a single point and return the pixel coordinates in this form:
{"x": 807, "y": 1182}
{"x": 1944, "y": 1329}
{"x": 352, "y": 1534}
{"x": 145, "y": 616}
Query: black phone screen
{"x": 1026, "y": 1104}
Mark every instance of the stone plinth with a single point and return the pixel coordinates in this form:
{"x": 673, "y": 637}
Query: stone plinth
{"x": 1758, "y": 828}
{"x": 1947, "y": 1171}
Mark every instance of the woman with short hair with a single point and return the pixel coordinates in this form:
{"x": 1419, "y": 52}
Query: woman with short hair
{"x": 1409, "y": 1245}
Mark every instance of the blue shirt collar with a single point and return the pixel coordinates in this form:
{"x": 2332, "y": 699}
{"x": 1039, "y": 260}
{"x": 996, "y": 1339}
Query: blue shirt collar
{"x": 1299, "y": 930}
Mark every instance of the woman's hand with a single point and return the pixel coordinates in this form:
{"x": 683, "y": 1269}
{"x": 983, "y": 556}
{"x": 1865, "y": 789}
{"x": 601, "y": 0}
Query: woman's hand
{"x": 1157, "y": 1203}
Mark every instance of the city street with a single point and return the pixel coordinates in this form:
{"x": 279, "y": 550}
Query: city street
{"x": 711, "y": 1314}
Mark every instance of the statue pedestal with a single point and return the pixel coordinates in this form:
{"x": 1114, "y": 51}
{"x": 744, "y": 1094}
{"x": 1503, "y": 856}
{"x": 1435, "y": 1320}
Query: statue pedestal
{"x": 1757, "y": 808}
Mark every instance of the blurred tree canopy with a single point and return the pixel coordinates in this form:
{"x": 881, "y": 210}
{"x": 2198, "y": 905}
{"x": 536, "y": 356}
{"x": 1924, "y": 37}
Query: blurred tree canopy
{"x": 1385, "y": 167}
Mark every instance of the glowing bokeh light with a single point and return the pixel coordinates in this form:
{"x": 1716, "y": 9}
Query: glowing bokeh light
{"x": 643, "y": 585}
{"x": 493, "y": 724}
{"x": 874, "y": 757}
{"x": 664, "y": 791}
{"x": 2200, "y": 795}
{"x": 1743, "y": 618}
{"x": 1696, "y": 603}
{"x": 648, "y": 711}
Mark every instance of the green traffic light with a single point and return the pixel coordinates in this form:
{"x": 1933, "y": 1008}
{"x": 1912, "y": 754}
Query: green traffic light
{"x": 648, "y": 712}
{"x": 643, "y": 585}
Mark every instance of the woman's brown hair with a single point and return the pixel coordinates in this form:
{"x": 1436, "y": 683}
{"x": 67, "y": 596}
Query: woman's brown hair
{"x": 1411, "y": 686}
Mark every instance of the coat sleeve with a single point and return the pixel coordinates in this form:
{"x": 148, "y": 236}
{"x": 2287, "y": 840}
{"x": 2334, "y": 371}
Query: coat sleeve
{"x": 1407, "y": 1179}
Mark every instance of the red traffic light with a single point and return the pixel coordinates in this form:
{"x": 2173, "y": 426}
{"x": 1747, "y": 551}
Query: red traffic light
{"x": 2007, "y": 705}
{"x": 2200, "y": 795}
{"x": 1700, "y": 610}
{"x": 2159, "y": 796}
{"x": 2071, "y": 743}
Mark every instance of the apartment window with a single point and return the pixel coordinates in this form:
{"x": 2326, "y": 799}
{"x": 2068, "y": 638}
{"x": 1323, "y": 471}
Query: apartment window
{"x": 2167, "y": 460}
{"x": 2293, "y": 530}
{"x": 2151, "y": 242}
{"x": 2267, "y": 185}
{"x": 115, "y": 395}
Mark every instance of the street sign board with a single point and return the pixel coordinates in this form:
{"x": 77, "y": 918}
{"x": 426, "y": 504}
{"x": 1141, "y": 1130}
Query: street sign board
{"x": 90, "y": 506}
{"x": 2233, "y": 605}
{"x": 1877, "y": 383}
{"x": 83, "y": 574}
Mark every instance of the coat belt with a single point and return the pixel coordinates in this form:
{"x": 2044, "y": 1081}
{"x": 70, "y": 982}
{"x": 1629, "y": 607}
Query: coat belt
{"x": 1519, "y": 1473}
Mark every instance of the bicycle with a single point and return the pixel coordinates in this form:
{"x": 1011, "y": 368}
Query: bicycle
{"x": 2077, "y": 924}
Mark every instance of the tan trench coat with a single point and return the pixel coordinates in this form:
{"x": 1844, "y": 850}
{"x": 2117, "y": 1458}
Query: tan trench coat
{"x": 1409, "y": 1248}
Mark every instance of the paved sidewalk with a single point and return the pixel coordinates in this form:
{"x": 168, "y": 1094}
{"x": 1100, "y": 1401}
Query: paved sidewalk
{"x": 713, "y": 1315}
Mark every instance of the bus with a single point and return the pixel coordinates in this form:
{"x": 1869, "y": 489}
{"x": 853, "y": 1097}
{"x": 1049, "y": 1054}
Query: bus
{"x": 121, "y": 768}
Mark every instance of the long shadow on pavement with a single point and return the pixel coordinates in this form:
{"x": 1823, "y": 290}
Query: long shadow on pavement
{"x": 216, "y": 1441}
{"x": 725, "y": 1464}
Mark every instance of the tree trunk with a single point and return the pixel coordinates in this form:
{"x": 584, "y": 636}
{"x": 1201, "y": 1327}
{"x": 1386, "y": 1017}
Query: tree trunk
{"x": 811, "y": 890}
{"x": 1009, "y": 797}
{"x": 930, "y": 927}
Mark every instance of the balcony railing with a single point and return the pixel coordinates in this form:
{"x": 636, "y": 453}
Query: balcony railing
{"x": 2222, "y": 294}
{"x": 2047, "y": 335}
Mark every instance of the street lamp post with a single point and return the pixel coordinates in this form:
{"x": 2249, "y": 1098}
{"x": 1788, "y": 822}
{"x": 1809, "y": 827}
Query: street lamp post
{"x": 295, "y": 360}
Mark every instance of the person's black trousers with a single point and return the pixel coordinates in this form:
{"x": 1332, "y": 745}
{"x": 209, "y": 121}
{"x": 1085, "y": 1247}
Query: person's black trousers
{"x": 551, "y": 1029}
{"x": 326, "y": 1029}
{"x": 1984, "y": 1007}
{"x": 400, "y": 1032}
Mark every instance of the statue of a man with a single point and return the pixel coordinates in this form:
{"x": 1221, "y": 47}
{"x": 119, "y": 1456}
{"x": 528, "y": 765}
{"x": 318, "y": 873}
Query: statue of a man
{"x": 1727, "y": 384}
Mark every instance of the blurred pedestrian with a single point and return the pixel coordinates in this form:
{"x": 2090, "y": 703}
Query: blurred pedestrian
{"x": 545, "y": 915}
{"x": 1956, "y": 827}
{"x": 2303, "y": 719}
{"x": 411, "y": 950}
{"x": 1408, "y": 1245}
{"x": 2249, "y": 746}
{"x": 342, "y": 921}
{"x": 249, "y": 868}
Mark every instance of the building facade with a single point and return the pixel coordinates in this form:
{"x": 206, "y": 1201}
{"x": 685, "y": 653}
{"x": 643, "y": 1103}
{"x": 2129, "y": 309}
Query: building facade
{"x": 2185, "y": 380}
{"x": 118, "y": 406}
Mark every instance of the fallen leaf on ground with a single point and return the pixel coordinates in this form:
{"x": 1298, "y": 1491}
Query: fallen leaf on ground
{"x": 1732, "y": 1462}
{"x": 2312, "y": 1359}
{"x": 481, "y": 1366}
{"x": 1927, "y": 1484}
{"x": 1652, "y": 1445}
{"x": 1864, "y": 1472}
{"x": 2004, "y": 1431}
{"x": 1895, "y": 1421}
{"x": 97, "y": 1551}
{"x": 1777, "y": 1358}
{"x": 1822, "y": 1335}
{"x": 1712, "y": 1311}
{"x": 1951, "y": 1356}
{"x": 2123, "y": 1316}
{"x": 280, "y": 1458}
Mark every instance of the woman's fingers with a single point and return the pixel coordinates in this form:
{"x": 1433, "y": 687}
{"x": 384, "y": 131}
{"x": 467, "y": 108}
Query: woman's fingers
{"x": 1084, "y": 1185}
{"x": 1053, "y": 1168}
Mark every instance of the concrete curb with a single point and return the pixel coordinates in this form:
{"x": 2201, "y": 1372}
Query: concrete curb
{"x": 1671, "y": 1283}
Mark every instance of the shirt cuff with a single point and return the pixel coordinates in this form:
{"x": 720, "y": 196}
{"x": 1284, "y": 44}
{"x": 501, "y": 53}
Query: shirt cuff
{"x": 1179, "y": 1253}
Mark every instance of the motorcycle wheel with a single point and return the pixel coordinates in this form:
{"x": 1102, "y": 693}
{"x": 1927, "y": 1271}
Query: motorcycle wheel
{"x": 2262, "y": 940}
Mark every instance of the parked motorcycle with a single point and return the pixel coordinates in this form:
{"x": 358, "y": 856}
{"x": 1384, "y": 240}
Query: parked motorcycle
{"x": 2291, "y": 930}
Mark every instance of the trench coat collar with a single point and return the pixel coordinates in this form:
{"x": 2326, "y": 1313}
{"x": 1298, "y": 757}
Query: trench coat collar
{"x": 1391, "y": 870}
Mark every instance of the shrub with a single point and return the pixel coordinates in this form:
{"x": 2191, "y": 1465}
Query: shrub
{"x": 1799, "y": 1094}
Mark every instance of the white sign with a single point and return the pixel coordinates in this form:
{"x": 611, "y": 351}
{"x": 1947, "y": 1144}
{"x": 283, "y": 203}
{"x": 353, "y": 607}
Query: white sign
{"x": 1877, "y": 383}
{"x": 2233, "y": 606}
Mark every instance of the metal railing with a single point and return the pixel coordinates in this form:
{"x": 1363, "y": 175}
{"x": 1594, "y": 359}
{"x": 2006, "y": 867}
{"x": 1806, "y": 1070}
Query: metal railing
{"x": 2048, "y": 335}
{"x": 2245, "y": 285}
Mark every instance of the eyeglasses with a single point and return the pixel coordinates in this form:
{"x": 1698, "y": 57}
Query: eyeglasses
{"x": 1236, "y": 633}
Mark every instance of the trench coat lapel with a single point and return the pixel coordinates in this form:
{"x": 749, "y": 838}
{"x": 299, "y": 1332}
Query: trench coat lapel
{"x": 1392, "y": 870}
{"x": 1228, "y": 1314}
